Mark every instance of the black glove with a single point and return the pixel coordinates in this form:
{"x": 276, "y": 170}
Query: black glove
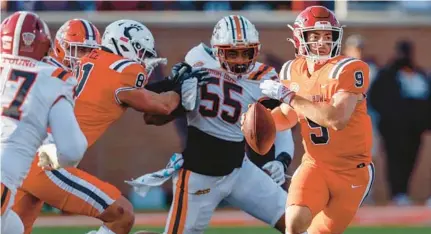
{"x": 284, "y": 158}
{"x": 178, "y": 71}
{"x": 183, "y": 71}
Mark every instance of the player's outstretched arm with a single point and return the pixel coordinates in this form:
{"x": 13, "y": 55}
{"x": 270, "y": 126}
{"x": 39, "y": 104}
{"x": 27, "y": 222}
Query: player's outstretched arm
{"x": 70, "y": 142}
{"x": 144, "y": 100}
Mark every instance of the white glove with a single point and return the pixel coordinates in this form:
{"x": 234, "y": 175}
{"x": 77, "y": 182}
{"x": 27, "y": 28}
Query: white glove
{"x": 275, "y": 169}
{"x": 151, "y": 63}
{"x": 277, "y": 91}
{"x": 48, "y": 159}
{"x": 189, "y": 93}
{"x": 144, "y": 183}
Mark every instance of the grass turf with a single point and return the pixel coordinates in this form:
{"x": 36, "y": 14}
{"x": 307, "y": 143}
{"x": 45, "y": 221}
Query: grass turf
{"x": 247, "y": 230}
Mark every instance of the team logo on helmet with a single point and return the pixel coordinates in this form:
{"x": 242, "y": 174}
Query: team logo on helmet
{"x": 28, "y": 38}
{"x": 127, "y": 30}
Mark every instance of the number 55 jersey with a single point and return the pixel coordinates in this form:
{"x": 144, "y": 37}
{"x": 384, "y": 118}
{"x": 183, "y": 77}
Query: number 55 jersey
{"x": 335, "y": 149}
{"x": 215, "y": 143}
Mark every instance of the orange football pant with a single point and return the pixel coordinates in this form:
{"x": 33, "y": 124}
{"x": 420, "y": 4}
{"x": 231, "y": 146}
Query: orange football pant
{"x": 332, "y": 196}
{"x": 70, "y": 190}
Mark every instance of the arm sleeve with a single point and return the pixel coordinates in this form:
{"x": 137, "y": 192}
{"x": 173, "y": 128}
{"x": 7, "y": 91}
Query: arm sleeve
{"x": 161, "y": 86}
{"x": 70, "y": 141}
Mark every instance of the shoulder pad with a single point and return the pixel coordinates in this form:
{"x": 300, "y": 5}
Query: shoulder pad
{"x": 263, "y": 71}
{"x": 200, "y": 56}
{"x": 122, "y": 64}
{"x": 61, "y": 74}
{"x": 285, "y": 70}
{"x": 343, "y": 64}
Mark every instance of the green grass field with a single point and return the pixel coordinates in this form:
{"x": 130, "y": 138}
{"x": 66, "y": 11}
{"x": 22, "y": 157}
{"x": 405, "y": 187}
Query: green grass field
{"x": 250, "y": 230}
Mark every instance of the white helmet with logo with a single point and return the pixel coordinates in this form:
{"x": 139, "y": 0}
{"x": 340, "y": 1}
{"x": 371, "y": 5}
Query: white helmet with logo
{"x": 130, "y": 39}
{"x": 235, "y": 32}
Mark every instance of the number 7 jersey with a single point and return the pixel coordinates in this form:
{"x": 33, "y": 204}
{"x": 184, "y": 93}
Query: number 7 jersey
{"x": 29, "y": 89}
{"x": 342, "y": 149}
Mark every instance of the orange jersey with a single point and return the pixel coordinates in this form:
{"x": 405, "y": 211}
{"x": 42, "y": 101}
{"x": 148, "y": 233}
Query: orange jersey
{"x": 101, "y": 76}
{"x": 341, "y": 149}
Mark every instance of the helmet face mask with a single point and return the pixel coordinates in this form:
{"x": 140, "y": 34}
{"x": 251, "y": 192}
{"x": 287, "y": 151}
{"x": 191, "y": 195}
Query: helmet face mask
{"x": 239, "y": 59}
{"x": 74, "y": 40}
{"x": 74, "y": 51}
{"x": 235, "y": 43}
{"x": 320, "y": 23}
{"x": 321, "y": 46}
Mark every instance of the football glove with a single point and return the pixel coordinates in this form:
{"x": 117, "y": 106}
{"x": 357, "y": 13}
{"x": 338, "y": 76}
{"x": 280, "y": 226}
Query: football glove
{"x": 277, "y": 91}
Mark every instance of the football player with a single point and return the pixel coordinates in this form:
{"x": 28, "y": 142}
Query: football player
{"x": 111, "y": 79}
{"x": 215, "y": 167}
{"x": 34, "y": 96}
{"x": 327, "y": 92}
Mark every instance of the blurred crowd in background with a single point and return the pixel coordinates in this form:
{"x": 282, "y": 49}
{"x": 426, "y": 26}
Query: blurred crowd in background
{"x": 399, "y": 97}
{"x": 184, "y": 5}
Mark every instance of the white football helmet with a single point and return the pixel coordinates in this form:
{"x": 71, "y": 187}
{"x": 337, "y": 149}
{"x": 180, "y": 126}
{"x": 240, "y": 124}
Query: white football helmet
{"x": 130, "y": 39}
{"x": 233, "y": 33}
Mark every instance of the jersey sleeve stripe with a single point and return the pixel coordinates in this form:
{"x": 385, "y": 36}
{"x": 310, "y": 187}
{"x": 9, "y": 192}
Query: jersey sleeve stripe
{"x": 337, "y": 75}
{"x": 262, "y": 73}
{"x": 120, "y": 65}
{"x": 285, "y": 70}
{"x": 117, "y": 91}
{"x": 337, "y": 67}
{"x": 62, "y": 75}
{"x": 53, "y": 62}
{"x": 57, "y": 72}
{"x": 253, "y": 75}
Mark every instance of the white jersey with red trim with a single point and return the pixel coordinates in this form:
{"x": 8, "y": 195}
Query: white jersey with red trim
{"x": 226, "y": 96}
{"x": 29, "y": 88}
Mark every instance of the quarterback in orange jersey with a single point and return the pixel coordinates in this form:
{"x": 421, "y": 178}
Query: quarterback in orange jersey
{"x": 110, "y": 79}
{"x": 327, "y": 93}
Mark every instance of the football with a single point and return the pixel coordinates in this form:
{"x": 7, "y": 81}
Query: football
{"x": 259, "y": 128}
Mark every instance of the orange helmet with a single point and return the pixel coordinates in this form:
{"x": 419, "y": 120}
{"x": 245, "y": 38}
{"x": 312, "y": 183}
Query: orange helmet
{"x": 72, "y": 39}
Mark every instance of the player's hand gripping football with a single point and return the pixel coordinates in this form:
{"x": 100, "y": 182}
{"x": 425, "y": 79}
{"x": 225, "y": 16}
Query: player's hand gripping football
{"x": 275, "y": 170}
{"x": 277, "y": 90}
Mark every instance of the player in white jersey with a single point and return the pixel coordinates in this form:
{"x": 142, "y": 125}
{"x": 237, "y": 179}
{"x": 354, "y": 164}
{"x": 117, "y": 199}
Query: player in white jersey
{"x": 215, "y": 167}
{"x": 34, "y": 96}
